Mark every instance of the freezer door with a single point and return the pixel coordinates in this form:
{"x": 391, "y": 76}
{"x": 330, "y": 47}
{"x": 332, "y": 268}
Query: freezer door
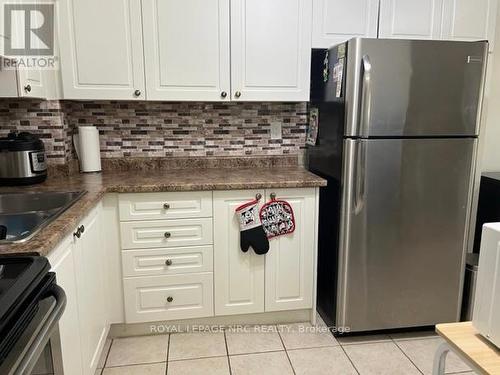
{"x": 414, "y": 87}
{"x": 404, "y": 213}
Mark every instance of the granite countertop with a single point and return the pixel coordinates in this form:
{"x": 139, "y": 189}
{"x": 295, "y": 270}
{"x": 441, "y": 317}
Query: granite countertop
{"x": 187, "y": 179}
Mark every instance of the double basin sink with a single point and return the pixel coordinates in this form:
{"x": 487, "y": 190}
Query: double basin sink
{"x": 22, "y": 215}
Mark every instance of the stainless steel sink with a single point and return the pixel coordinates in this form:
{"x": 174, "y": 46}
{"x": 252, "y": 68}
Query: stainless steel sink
{"x": 24, "y": 214}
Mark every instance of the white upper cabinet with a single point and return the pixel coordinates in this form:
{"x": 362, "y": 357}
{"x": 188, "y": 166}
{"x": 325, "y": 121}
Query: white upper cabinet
{"x": 469, "y": 20}
{"x": 101, "y": 49}
{"x": 270, "y": 49}
{"x": 410, "y": 19}
{"x": 31, "y": 83}
{"x": 186, "y": 49}
{"x": 22, "y": 83}
{"x": 336, "y": 21}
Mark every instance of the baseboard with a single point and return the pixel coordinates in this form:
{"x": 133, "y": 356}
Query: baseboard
{"x": 210, "y": 323}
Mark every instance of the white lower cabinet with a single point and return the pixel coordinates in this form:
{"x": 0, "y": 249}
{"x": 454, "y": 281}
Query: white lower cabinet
{"x": 90, "y": 261}
{"x": 166, "y": 233}
{"x": 168, "y": 297}
{"x": 204, "y": 272}
{"x": 80, "y": 266}
{"x": 153, "y": 262}
{"x": 239, "y": 276}
{"x": 290, "y": 262}
{"x": 283, "y": 279}
{"x": 63, "y": 264}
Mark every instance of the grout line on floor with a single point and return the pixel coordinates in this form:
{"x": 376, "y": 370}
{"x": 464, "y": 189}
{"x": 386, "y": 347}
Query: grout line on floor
{"x": 365, "y": 343}
{"x": 253, "y": 353}
{"x": 227, "y": 354}
{"x": 406, "y": 355}
{"x": 286, "y": 352}
{"x": 136, "y": 364}
{"x": 168, "y": 352}
{"x": 416, "y": 338}
{"x": 107, "y": 354}
{"x": 350, "y": 360}
{"x": 203, "y": 357}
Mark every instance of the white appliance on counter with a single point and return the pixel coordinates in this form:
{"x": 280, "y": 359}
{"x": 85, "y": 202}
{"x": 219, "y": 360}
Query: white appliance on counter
{"x": 486, "y": 318}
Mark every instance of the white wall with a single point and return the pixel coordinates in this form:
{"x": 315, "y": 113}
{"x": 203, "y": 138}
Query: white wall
{"x": 491, "y": 128}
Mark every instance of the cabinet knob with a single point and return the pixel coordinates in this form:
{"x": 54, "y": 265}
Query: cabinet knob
{"x": 258, "y": 196}
{"x": 273, "y": 196}
{"x": 237, "y": 94}
{"x": 78, "y": 233}
{"x": 223, "y": 94}
{"x": 82, "y": 228}
{"x": 27, "y": 88}
{"x": 168, "y": 262}
{"x": 137, "y": 93}
{"x": 166, "y": 206}
{"x": 167, "y": 234}
{"x": 170, "y": 299}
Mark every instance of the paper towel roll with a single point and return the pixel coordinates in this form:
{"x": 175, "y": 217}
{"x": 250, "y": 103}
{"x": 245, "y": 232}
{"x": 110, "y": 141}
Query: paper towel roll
{"x": 88, "y": 149}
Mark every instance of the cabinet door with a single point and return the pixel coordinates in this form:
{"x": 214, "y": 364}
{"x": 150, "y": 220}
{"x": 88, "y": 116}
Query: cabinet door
{"x": 186, "y": 49}
{"x": 168, "y": 297}
{"x": 31, "y": 83}
{"x": 239, "y": 276}
{"x": 409, "y": 19}
{"x": 63, "y": 265}
{"x": 90, "y": 263}
{"x": 290, "y": 263}
{"x": 270, "y": 49}
{"x": 335, "y": 21}
{"x": 469, "y": 20}
{"x": 166, "y": 233}
{"x": 101, "y": 49}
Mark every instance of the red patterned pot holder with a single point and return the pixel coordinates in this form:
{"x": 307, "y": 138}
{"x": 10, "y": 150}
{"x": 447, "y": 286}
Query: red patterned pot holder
{"x": 277, "y": 218}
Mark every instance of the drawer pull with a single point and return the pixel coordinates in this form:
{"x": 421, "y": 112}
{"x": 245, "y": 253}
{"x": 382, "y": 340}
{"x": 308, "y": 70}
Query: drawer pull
{"x": 166, "y": 206}
{"x": 170, "y": 299}
{"x": 167, "y": 235}
{"x": 168, "y": 262}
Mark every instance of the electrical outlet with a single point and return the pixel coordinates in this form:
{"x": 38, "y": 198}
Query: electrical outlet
{"x": 275, "y": 130}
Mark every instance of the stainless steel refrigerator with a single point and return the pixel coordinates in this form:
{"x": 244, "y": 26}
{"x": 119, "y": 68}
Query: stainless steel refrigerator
{"x": 398, "y": 122}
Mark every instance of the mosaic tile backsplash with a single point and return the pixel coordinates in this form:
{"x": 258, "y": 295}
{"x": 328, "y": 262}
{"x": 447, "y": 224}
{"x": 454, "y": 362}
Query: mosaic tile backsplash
{"x": 161, "y": 129}
{"x": 44, "y": 118}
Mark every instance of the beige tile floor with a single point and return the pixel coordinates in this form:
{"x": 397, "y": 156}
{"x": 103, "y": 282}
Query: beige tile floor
{"x": 294, "y": 349}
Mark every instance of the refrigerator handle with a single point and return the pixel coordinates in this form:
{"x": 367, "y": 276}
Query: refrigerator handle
{"x": 353, "y": 201}
{"x": 359, "y": 178}
{"x": 365, "y": 102}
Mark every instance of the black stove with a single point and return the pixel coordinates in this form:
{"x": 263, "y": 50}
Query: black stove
{"x": 30, "y": 306}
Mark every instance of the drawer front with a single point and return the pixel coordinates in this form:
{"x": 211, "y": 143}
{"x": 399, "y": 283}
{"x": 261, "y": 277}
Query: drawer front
{"x": 169, "y": 205}
{"x": 172, "y": 261}
{"x": 166, "y": 233}
{"x": 170, "y": 297}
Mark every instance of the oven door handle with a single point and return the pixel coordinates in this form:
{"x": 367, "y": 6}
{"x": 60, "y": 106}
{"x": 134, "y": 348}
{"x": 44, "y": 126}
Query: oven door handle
{"x": 29, "y": 360}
